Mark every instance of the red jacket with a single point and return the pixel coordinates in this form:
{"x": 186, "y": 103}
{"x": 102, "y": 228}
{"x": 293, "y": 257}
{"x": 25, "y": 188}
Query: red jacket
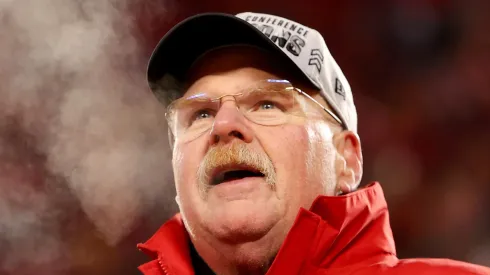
{"x": 347, "y": 234}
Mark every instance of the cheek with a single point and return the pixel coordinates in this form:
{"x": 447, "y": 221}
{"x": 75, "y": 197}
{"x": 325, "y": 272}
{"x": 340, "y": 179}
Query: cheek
{"x": 295, "y": 146}
{"x": 322, "y": 154}
{"x": 288, "y": 147}
{"x": 303, "y": 156}
{"x": 185, "y": 161}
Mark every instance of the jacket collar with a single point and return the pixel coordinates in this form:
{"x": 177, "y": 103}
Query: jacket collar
{"x": 360, "y": 222}
{"x": 170, "y": 247}
{"x": 333, "y": 232}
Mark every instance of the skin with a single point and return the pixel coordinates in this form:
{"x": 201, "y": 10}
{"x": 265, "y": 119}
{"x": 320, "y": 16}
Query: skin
{"x": 239, "y": 229}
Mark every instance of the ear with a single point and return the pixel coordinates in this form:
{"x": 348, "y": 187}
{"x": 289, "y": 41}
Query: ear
{"x": 349, "y": 161}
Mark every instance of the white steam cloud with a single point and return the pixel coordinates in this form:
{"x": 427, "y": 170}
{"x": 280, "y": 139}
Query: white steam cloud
{"x": 72, "y": 78}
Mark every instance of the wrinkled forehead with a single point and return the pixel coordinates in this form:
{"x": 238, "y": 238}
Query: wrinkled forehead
{"x": 236, "y": 67}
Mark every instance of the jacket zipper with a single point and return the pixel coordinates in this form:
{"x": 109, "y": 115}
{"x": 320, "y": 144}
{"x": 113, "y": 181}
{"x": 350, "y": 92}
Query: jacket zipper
{"x": 164, "y": 268}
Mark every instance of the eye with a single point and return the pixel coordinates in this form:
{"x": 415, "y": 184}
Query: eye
{"x": 267, "y": 105}
{"x": 201, "y": 114}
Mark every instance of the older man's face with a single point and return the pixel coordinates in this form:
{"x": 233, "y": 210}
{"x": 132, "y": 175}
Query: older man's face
{"x": 281, "y": 168}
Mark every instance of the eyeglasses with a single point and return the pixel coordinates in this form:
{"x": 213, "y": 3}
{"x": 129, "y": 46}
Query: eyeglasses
{"x": 268, "y": 102}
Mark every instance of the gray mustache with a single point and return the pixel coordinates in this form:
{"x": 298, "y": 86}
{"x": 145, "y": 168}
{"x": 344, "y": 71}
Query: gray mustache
{"x": 235, "y": 154}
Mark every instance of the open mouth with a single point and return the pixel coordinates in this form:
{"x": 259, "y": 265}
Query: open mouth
{"x": 230, "y": 174}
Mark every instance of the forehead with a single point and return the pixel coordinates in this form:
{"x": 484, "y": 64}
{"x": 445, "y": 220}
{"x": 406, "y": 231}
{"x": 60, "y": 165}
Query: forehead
{"x": 237, "y": 66}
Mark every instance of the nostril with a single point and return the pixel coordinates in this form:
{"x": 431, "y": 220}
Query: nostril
{"x": 236, "y": 134}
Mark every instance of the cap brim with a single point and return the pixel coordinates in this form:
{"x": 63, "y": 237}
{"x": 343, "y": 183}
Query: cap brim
{"x": 188, "y": 40}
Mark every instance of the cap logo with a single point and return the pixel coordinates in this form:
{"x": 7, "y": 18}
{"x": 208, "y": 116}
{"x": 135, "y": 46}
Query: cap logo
{"x": 316, "y": 59}
{"x": 339, "y": 88}
{"x": 286, "y": 34}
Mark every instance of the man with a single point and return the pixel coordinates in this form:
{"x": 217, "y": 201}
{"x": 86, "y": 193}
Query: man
{"x": 263, "y": 127}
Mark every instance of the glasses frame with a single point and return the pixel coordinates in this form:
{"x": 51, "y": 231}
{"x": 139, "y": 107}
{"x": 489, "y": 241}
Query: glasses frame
{"x": 301, "y": 92}
{"x": 332, "y": 114}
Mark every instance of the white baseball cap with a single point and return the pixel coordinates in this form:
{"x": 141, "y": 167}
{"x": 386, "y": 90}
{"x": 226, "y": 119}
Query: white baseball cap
{"x": 305, "y": 47}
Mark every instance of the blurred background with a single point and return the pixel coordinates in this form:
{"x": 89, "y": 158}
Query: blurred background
{"x": 84, "y": 162}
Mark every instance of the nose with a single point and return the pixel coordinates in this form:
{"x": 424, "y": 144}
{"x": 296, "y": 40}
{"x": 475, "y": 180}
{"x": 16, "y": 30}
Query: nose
{"x": 229, "y": 124}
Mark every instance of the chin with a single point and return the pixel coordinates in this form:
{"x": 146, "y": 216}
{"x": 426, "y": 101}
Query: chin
{"x": 238, "y": 224}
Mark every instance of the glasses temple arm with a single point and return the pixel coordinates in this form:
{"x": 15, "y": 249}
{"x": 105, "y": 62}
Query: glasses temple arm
{"x": 323, "y": 107}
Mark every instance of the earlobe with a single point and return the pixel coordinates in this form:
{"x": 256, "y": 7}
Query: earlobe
{"x": 349, "y": 166}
